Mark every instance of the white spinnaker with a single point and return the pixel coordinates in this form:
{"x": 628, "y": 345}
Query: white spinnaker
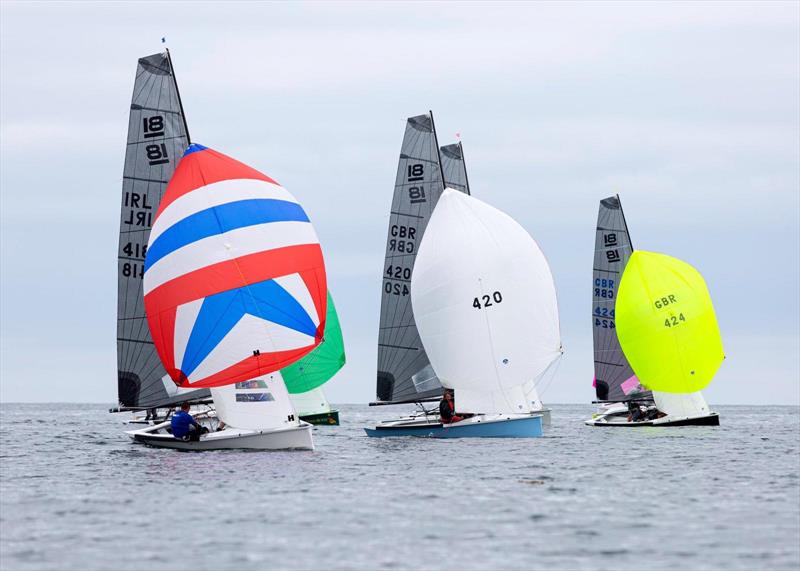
{"x": 681, "y": 405}
{"x": 310, "y": 402}
{"x": 238, "y": 406}
{"x": 485, "y": 305}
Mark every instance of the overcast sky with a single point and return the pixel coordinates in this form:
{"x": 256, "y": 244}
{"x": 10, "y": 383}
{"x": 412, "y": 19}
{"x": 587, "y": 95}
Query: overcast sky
{"x": 689, "y": 111}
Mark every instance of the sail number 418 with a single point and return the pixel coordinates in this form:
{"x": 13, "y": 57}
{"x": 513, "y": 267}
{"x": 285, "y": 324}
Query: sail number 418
{"x": 487, "y": 300}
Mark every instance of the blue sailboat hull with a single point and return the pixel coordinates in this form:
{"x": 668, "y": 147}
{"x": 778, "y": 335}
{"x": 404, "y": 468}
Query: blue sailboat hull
{"x": 521, "y": 427}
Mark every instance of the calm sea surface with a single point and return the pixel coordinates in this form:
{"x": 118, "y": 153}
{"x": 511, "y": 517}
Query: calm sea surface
{"x": 77, "y": 494}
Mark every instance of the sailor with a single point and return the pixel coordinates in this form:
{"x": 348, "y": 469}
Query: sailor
{"x": 635, "y": 413}
{"x": 447, "y": 408}
{"x": 184, "y": 427}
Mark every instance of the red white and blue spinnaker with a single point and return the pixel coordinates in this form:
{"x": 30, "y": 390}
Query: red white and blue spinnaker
{"x": 234, "y": 283}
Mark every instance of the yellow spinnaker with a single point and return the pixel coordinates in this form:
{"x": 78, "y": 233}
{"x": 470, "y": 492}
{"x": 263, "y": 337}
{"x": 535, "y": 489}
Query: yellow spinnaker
{"x": 666, "y": 324}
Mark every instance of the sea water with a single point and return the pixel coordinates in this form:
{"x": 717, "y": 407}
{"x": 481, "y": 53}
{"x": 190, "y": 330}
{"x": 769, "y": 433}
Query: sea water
{"x": 76, "y": 493}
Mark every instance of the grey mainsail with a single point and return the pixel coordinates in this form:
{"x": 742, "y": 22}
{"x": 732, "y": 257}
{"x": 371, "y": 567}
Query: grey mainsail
{"x": 157, "y": 138}
{"x": 611, "y": 252}
{"x": 404, "y": 372}
{"x": 454, "y": 167}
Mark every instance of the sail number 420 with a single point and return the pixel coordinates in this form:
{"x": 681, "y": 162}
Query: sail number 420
{"x": 487, "y": 300}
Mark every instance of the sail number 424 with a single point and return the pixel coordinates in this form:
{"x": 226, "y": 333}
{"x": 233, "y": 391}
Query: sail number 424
{"x": 487, "y": 300}
{"x": 674, "y": 320}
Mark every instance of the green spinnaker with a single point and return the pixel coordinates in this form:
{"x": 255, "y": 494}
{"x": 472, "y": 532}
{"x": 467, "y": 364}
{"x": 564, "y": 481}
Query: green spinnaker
{"x": 322, "y": 363}
{"x": 666, "y": 324}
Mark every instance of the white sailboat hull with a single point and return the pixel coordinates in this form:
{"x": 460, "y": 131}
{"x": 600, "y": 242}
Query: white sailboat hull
{"x": 297, "y": 437}
{"x": 680, "y": 409}
{"x": 618, "y": 416}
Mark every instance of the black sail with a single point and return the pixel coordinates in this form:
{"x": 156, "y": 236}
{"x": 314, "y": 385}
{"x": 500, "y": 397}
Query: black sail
{"x": 404, "y": 372}
{"x": 157, "y": 138}
{"x": 612, "y": 250}
{"x": 454, "y": 167}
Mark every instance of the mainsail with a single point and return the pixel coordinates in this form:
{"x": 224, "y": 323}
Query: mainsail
{"x": 613, "y": 377}
{"x": 485, "y": 305}
{"x": 454, "y": 167}
{"x": 404, "y": 372}
{"x": 157, "y": 138}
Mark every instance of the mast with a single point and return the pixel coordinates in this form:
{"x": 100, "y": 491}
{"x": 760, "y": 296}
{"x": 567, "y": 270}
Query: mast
{"x": 180, "y": 101}
{"x": 436, "y": 144}
{"x": 625, "y": 222}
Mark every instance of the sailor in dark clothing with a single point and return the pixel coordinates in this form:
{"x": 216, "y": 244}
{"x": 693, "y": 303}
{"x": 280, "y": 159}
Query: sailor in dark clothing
{"x": 184, "y": 427}
{"x": 447, "y": 408}
{"x": 635, "y": 412}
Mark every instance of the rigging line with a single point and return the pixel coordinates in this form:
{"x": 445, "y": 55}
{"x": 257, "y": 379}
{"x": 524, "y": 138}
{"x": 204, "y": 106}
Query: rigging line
{"x": 552, "y": 377}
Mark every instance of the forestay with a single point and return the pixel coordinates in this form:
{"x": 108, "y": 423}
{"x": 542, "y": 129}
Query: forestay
{"x": 157, "y": 138}
{"x": 485, "y": 305}
{"x": 404, "y": 372}
{"x": 234, "y": 281}
{"x": 666, "y": 324}
{"x": 613, "y": 377}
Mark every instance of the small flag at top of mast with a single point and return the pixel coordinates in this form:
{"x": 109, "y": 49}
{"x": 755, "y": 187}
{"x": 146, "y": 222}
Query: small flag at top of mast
{"x": 163, "y": 40}
{"x": 458, "y": 136}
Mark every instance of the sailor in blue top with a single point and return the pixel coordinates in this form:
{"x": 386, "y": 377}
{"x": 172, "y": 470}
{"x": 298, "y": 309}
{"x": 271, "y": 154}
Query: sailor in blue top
{"x": 184, "y": 427}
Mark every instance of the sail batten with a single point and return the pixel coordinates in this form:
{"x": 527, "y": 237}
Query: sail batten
{"x": 157, "y": 138}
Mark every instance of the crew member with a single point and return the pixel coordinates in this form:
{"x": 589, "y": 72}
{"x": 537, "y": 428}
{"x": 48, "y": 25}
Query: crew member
{"x": 447, "y": 408}
{"x": 184, "y": 427}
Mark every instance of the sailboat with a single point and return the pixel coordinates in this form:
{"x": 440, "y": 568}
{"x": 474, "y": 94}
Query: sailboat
{"x": 485, "y": 306}
{"x": 637, "y": 346}
{"x": 157, "y": 137}
{"x": 158, "y": 134}
{"x": 404, "y": 372}
{"x": 234, "y": 290}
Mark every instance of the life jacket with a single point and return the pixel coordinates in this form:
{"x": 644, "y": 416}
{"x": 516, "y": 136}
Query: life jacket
{"x": 447, "y": 410}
